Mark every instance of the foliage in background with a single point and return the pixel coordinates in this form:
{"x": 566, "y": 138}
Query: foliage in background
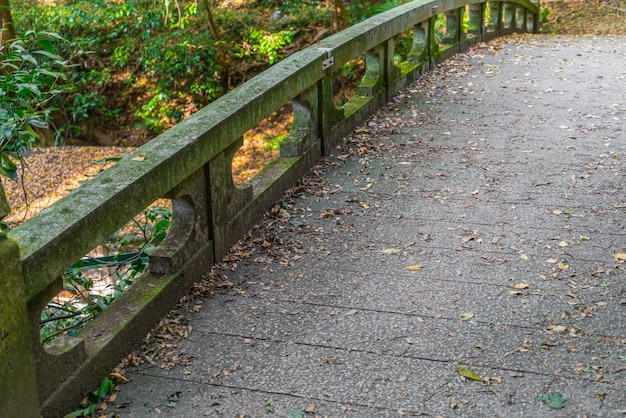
{"x": 129, "y": 248}
{"x": 32, "y": 81}
{"x": 145, "y": 65}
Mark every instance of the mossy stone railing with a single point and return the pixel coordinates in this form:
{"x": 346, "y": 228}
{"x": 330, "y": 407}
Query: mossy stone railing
{"x": 191, "y": 165}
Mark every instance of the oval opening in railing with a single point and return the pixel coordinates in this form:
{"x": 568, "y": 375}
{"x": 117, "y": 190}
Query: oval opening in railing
{"x": 347, "y": 80}
{"x": 261, "y": 144}
{"x": 91, "y": 284}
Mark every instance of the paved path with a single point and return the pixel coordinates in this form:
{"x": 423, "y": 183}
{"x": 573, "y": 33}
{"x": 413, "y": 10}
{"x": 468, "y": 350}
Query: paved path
{"x": 474, "y": 224}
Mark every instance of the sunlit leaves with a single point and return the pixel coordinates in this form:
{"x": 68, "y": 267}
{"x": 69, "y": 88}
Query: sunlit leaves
{"x": 30, "y": 81}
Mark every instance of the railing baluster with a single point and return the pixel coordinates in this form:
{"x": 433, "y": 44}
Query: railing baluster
{"x": 18, "y": 384}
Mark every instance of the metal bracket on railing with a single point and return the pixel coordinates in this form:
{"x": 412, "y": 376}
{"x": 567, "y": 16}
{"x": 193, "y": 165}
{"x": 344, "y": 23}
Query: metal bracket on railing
{"x": 328, "y": 63}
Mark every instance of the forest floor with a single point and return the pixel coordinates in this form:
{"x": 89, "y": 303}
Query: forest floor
{"x": 51, "y": 173}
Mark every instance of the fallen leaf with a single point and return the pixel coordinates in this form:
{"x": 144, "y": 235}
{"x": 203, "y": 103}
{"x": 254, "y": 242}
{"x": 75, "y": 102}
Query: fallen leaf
{"x": 553, "y": 400}
{"x": 620, "y": 369}
{"x": 521, "y": 286}
{"x": 119, "y": 377}
{"x": 619, "y": 256}
{"x": 415, "y": 267}
{"x": 419, "y": 319}
{"x": 467, "y": 315}
{"x": 524, "y": 257}
{"x": 139, "y": 157}
{"x": 310, "y": 408}
{"x": 563, "y": 266}
{"x": 556, "y": 329}
{"x": 467, "y": 373}
{"x": 389, "y": 251}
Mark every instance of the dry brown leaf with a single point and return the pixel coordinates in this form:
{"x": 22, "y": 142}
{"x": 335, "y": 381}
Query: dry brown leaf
{"x": 521, "y": 286}
{"x": 415, "y": 267}
{"x": 117, "y": 376}
{"x": 556, "y": 329}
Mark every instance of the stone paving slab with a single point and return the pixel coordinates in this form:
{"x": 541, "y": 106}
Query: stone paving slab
{"x": 501, "y": 177}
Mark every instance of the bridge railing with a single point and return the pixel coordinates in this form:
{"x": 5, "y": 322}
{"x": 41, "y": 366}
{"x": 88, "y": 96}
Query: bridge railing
{"x": 191, "y": 164}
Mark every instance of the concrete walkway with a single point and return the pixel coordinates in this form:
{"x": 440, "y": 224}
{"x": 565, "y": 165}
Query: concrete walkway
{"x": 474, "y": 225}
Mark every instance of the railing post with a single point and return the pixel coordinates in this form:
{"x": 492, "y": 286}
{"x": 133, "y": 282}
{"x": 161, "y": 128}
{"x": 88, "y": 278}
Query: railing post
{"x": 18, "y": 384}
{"x": 499, "y": 11}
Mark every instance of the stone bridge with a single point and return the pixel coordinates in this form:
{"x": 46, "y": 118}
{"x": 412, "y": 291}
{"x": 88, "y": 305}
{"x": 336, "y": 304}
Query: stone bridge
{"x": 459, "y": 253}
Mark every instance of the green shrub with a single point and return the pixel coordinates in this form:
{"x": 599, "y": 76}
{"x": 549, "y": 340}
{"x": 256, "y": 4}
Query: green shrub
{"x": 32, "y": 80}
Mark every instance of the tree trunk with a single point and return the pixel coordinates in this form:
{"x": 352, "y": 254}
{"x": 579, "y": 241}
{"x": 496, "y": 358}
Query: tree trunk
{"x": 6, "y": 22}
{"x": 338, "y": 14}
{"x": 220, "y": 45}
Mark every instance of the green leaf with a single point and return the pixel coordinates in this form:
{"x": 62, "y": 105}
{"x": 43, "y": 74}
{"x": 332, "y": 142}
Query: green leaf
{"x": 88, "y": 411}
{"x": 48, "y": 54}
{"x": 297, "y": 414}
{"x": 7, "y": 167}
{"x": 467, "y": 315}
{"x": 105, "y": 389}
{"x": 53, "y": 35}
{"x": 12, "y": 174}
{"x": 467, "y": 373}
{"x": 46, "y": 45}
{"x": 553, "y": 400}
{"x": 29, "y": 58}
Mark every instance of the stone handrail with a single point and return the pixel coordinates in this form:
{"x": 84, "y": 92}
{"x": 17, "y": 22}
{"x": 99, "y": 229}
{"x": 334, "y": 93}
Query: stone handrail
{"x": 191, "y": 165}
